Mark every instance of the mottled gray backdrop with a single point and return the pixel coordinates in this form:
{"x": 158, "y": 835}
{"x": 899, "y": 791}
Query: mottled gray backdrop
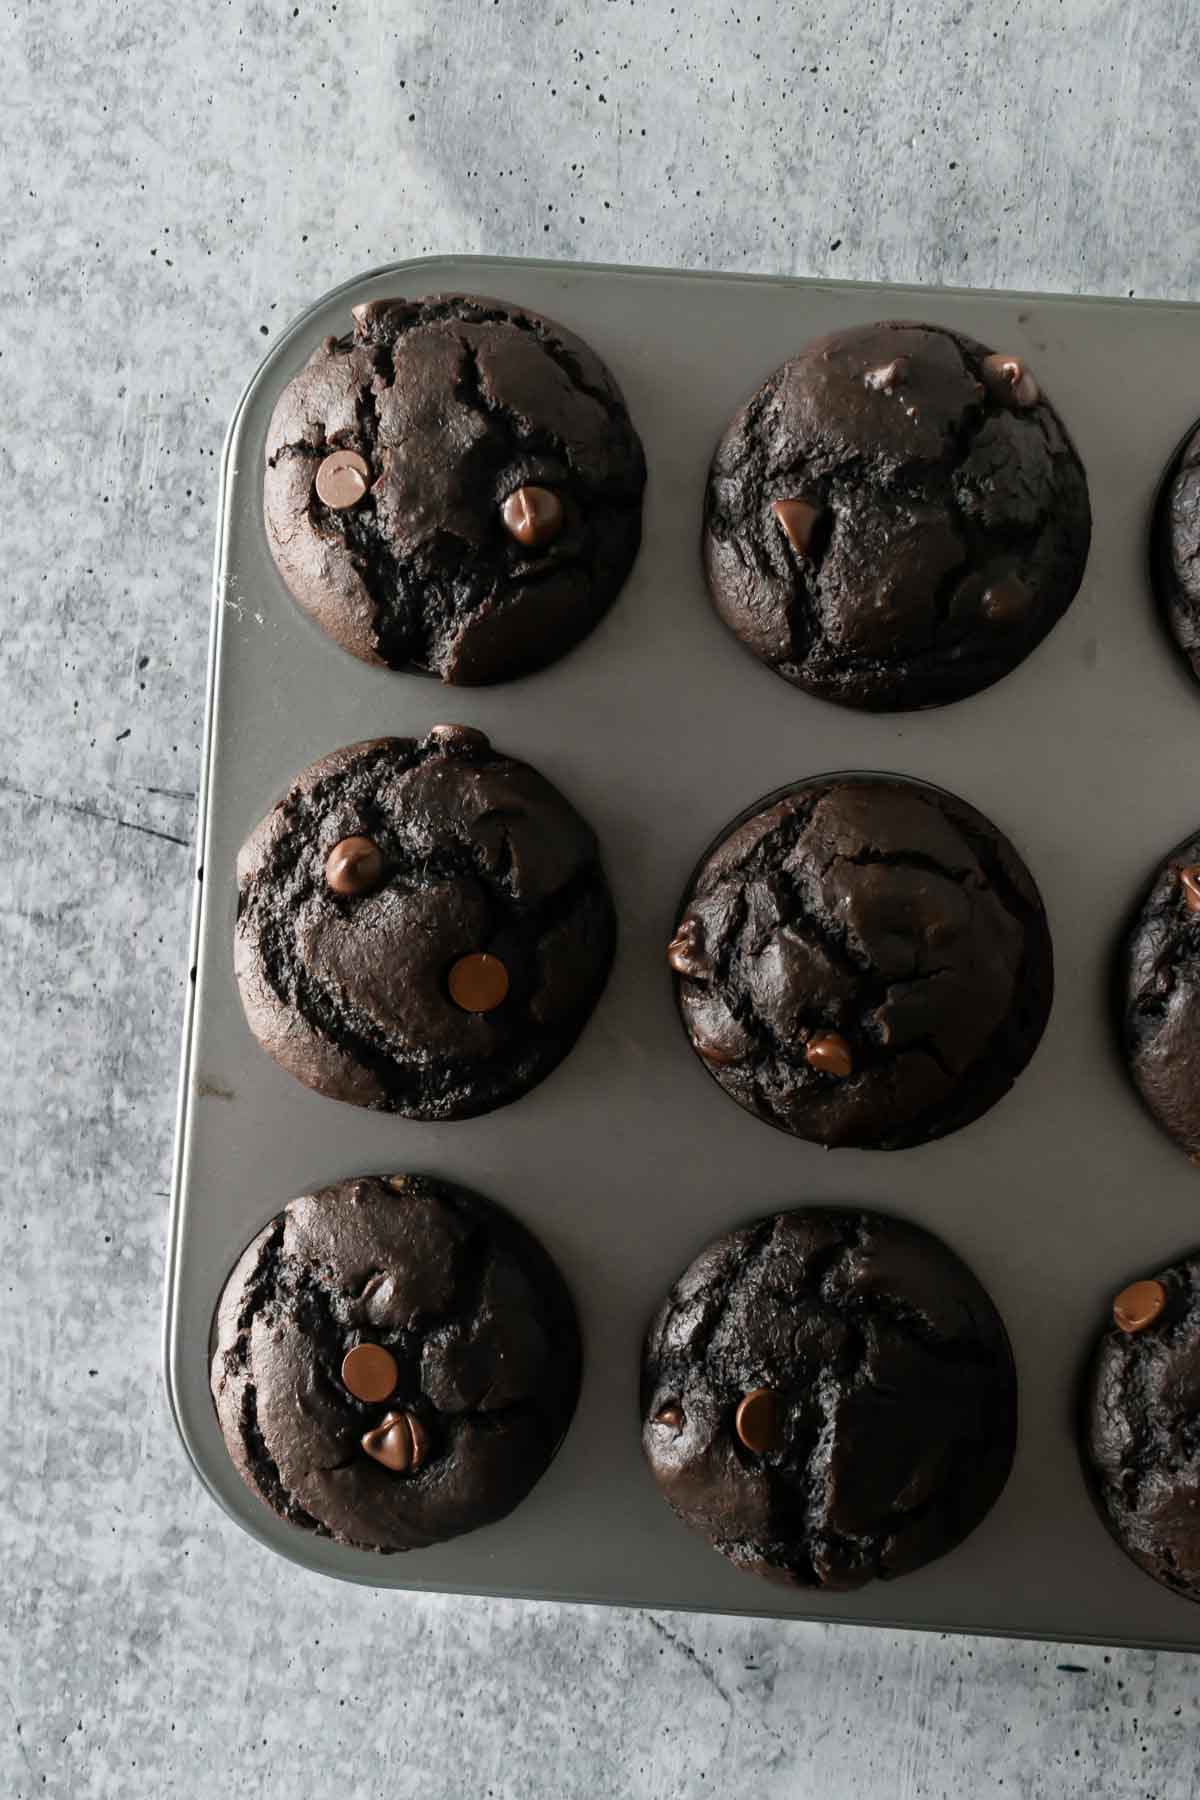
{"x": 176, "y": 183}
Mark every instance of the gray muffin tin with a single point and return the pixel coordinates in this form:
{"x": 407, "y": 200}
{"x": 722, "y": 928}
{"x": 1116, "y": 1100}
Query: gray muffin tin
{"x": 660, "y": 728}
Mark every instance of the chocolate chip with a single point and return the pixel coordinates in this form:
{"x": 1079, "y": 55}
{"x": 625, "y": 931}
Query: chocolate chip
{"x": 399, "y": 1442}
{"x": 342, "y": 479}
{"x": 533, "y": 515}
{"x": 830, "y": 1054}
{"x": 1138, "y": 1305}
{"x": 757, "y": 1421}
{"x": 459, "y": 737}
{"x": 1189, "y": 881}
{"x": 1006, "y": 600}
{"x": 685, "y": 952}
{"x": 370, "y": 1372}
{"x": 888, "y": 376}
{"x": 478, "y": 982}
{"x": 716, "y": 1035}
{"x": 1007, "y": 379}
{"x": 354, "y": 866}
{"x": 670, "y": 1415}
{"x": 799, "y": 521}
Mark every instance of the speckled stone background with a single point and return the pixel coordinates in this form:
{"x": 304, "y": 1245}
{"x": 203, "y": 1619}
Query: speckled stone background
{"x": 177, "y": 182}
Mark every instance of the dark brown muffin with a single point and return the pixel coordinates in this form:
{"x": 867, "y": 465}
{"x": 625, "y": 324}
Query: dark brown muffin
{"x": 423, "y": 927}
{"x": 1140, "y": 1437}
{"x": 829, "y": 1397}
{"x": 397, "y": 1362}
{"x": 863, "y": 961}
{"x": 1160, "y": 979}
{"x": 1175, "y": 548}
{"x": 896, "y": 518}
{"x": 454, "y": 488}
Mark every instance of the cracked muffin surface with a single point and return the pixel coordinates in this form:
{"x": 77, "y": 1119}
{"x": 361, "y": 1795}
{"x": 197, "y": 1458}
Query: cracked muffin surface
{"x": 1160, "y": 1023}
{"x": 1175, "y": 548}
{"x": 455, "y": 488}
{"x": 828, "y": 1396}
{"x": 423, "y": 927}
{"x": 1139, "y": 1430}
{"x": 466, "y": 1331}
{"x": 863, "y": 961}
{"x": 896, "y": 518}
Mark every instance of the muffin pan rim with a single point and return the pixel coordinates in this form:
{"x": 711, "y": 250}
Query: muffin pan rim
{"x": 598, "y": 303}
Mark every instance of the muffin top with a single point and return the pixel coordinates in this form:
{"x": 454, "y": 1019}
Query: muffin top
{"x": 1139, "y": 1428}
{"x": 1175, "y": 548}
{"x": 423, "y": 927}
{"x": 1161, "y": 1001}
{"x": 829, "y": 1397}
{"x": 454, "y": 488}
{"x": 896, "y": 518}
{"x": 397, "y": 1361}
{"x": 863, "y": 960}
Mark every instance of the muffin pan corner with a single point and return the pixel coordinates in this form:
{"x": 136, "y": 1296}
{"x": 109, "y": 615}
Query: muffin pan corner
{"x": 626, "y": 1159}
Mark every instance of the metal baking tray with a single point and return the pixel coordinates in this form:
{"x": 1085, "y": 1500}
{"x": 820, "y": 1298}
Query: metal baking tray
{"x": 660, "y": 728}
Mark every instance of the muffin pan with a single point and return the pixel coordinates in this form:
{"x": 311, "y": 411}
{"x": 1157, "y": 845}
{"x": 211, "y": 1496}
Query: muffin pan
{"x": 627, "y": 1159}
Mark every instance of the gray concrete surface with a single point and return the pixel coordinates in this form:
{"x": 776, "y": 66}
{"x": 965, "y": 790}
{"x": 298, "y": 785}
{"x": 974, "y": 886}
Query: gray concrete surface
{"x": 176, "y": 184}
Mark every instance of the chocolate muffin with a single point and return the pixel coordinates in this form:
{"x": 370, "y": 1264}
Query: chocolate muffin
{"x": 1175, "y": 548}
{"x": 455, "y": 487}
{"x": 863, "y": 960}
{"x": 422, "y": 927}
{"x": 1160, "y": 996}
{"x": 1142, "y": 1403}
{"x": 396, "y": 1362}
{"x": 829, "y": 1397}
{"x": 896, "y": 518}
